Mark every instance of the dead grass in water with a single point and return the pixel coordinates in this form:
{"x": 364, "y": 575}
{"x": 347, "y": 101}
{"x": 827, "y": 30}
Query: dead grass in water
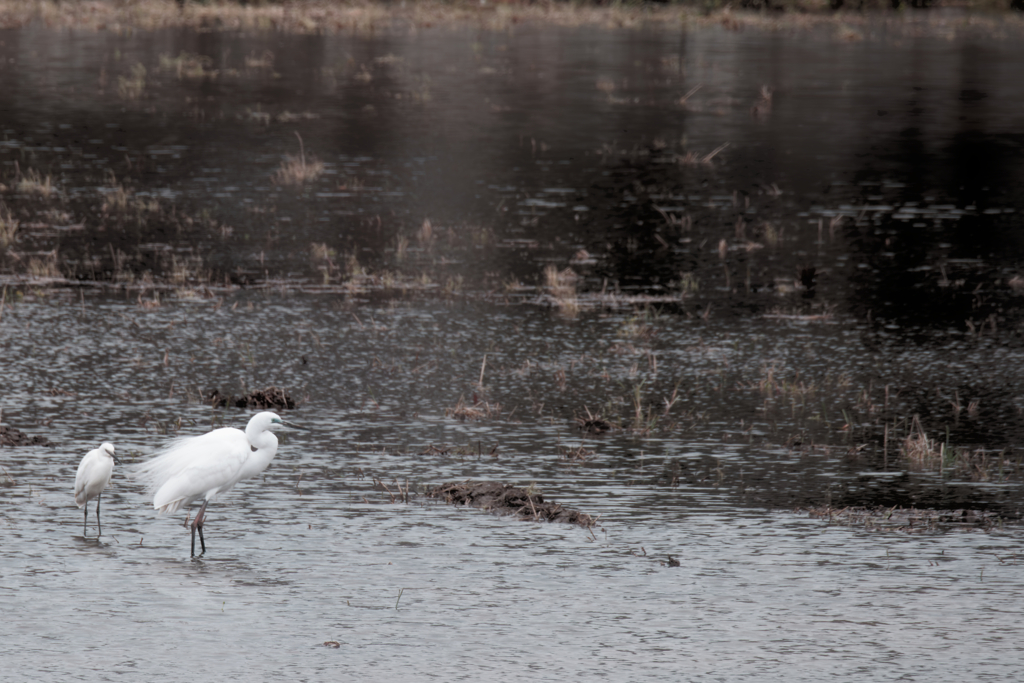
{"x": 44, "y": 267}
{"x": 132, "y": 86}
{"x": 298, "y": 170}
{"x": 576, "y": 455}
{"x": 919, "y": 450}
{"x": 188, "y": 66}
{"x": 34, "y": 182}
{"x": 561, "y": 288}
{"x": 906, "y": 520}
{"x": 8, "y": 227}
{"x": 477, "y": 411}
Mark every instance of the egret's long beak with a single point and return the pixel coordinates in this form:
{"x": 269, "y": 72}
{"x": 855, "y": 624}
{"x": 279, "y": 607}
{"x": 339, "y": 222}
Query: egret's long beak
{"x": 286, "y": 423}
{"x": 116, "y": 461}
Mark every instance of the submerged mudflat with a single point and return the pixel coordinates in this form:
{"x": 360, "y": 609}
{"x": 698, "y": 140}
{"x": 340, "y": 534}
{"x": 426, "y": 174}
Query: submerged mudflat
{"x": 509, "y": 501}
{"x": 682, "y": 280}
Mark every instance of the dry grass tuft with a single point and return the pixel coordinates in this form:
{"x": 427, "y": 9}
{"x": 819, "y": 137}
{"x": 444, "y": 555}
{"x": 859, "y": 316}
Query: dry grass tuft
{"x": 637, "y": 328}
{"x": 425, "y": 235}
{"x": 594, "y": 424}
{"x": 187, "y": 270}
{"x": 131, "y": 87}
{"x": 478, "y": 411}
{"x": 561, "y": 286}
{"x": 401, "y": 247}
{"x": 920, "y": 451}
{"x": 34, "y": 182}
{"x": 644, "y": 421}
{"x": 772, "y": 234}
{"x": 115, "y": 199}
{"x": 45, "y": 267}
{"x": 188, "y": 65}
{"x": 265, "y": 60}
{"x": 149, "y": 304}
{"x": 8, "y": 227}
{"x": 323, "y": 258}
{"x": 574, "y": 455}
{"x": 298, "y": 170}
{"x": 688, "y": 285}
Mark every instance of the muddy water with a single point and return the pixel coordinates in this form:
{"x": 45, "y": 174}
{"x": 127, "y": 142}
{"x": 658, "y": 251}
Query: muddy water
{"x": 737, "y": 390}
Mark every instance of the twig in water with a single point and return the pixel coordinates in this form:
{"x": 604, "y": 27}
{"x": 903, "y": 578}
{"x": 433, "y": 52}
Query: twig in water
{"x": 385, "y": 487}
{"x": 711, "y": 155}
{"x": 400, "y": 591}
{"x": 694, "y": 89}
{"x": 302, "y": 150}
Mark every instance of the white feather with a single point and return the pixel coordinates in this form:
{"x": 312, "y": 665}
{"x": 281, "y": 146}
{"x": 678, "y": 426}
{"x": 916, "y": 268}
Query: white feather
{"x": 208, "y": 466}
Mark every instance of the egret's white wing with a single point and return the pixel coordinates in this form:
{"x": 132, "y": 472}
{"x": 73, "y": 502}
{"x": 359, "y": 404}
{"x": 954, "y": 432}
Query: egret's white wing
{"x": 177, "y": 456}
{"x": 195, "y": 467}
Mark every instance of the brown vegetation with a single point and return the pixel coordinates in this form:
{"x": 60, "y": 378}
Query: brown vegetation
{"x": 505, "y": 499}
{"x": 909, "y": 520}
{"x": 9, "y": 436}
{"x": 8, "y": 227}
{"x": 477, "y": 411}
{"x": 298, "y": 170}
{"x": 561, "y": 287}
{"x": 270, "y": 398}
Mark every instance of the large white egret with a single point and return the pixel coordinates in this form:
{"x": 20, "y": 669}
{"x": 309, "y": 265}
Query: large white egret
{"x": 93, "y": 476}
{"x": 205, "y": 467}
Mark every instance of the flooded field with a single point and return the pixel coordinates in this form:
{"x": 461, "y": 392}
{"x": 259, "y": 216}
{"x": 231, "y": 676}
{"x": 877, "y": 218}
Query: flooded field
{"x": 715, "y": 289}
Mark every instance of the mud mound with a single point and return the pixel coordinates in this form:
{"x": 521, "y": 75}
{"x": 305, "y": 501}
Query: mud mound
{"x": 270, "y": 398}
{"x": 505, "y": 499}
{"x": 906, "y": 519}
{"x": 9, "y": 436}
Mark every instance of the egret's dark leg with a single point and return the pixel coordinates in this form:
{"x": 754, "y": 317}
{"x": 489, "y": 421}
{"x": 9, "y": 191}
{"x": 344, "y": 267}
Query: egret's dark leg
{"x": 197, "y": 523}
{"x": 99, "y": 527}
{"x": 85, "y": 523}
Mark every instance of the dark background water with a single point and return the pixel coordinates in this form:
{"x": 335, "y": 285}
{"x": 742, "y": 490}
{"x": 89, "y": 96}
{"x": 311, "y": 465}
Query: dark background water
{"x": 740, "y": 383}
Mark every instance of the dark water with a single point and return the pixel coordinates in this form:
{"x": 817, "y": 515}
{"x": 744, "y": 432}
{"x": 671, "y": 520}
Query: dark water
{"x": 740, "y": 384}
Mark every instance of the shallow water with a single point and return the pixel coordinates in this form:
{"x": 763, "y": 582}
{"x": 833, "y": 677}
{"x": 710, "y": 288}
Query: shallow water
{"x": 738, "y": 391}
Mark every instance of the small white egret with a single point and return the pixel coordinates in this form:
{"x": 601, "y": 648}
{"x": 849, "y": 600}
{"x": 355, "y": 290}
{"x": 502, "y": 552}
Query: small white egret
{"x": 205, "y": 467}
{"x": 93, "y": 476}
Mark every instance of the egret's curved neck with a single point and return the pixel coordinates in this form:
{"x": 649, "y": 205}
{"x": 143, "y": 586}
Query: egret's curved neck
{"x": 265, "y": 444}
{"x": 260, "y": 439}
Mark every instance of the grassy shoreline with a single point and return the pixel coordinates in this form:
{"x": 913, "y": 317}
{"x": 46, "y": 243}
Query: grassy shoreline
{"x": 320, "y": 17}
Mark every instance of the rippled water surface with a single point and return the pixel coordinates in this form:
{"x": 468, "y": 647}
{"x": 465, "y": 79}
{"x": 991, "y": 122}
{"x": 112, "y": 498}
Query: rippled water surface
{"x": 760, "y": 327}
